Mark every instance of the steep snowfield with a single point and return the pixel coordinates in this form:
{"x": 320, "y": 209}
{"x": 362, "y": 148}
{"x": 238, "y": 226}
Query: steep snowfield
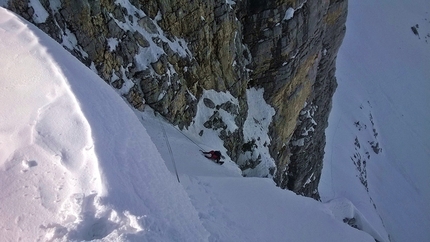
{"x": 378, "y": 139}
{"x": 77, "y": 164}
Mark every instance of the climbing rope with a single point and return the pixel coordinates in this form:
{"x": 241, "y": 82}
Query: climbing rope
{"x": 170, "y": 150}
{"x": 188, "y": 138}
{"x": 181, "y": 132}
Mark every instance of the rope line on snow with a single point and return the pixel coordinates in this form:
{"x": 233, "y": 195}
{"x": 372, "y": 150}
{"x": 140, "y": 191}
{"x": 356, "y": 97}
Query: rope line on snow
{"x": 170, "y": 150}
{"x": 188, "y": 138}
{"x": 181, "y": 132}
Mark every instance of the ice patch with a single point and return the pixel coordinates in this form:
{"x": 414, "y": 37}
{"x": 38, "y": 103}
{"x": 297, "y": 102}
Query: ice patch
{"x": 289, "y": 14}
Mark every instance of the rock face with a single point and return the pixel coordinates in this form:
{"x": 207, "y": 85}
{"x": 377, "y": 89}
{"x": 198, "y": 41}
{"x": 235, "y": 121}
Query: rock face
{"x": 168, "y": 53}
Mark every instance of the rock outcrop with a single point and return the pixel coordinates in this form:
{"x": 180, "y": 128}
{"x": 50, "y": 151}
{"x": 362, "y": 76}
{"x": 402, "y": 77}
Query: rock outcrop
{"x": 168, "y": 53}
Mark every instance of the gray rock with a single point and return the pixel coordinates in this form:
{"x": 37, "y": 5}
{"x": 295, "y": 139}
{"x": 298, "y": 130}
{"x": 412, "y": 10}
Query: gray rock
{"x": 148, "y": 25}
{"x": 208, "y": 103}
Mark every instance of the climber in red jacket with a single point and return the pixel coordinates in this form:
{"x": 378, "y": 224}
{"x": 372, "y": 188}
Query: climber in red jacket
{"x": 214, "y": 155}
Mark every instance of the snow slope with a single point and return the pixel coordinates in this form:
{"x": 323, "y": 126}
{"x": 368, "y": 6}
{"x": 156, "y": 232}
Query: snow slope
{"x": 378, "y": 139}
{"x": 77, "y": 164}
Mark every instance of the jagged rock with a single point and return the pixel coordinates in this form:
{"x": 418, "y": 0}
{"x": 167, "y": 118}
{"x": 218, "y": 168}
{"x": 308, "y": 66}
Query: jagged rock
{"x": 208, "y": 103}
{"x": 351, "y": 222}
{"x": 148, "y": 25}
{"x": 229, "y": 107}
{"x": 141, "y": 40}
{"x": 118, "y": 83}
{"x": 375, "y": 147}
{"x": 160, "y": 65}
{"x": 202, "y": 45}
{"x": 293, "y": 70}
{"x": 415, "y": 30}
{"x": 135, "y": 98}
{"x": 215, "y": 122}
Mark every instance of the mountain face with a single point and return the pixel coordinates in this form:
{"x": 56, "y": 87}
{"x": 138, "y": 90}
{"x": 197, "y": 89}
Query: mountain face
{"x": 167, "y": 53}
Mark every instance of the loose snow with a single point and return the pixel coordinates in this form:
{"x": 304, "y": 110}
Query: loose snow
{"x": 77, "y": 164}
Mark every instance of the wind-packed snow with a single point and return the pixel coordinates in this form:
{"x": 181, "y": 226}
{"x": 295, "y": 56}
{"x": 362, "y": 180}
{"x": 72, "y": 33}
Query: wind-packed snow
{"x": 378, "y": 139}
{"x": 77, "y": 164}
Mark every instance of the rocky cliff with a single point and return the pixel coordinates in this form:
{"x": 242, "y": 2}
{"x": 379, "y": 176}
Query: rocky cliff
{"x": 180, "y": 57}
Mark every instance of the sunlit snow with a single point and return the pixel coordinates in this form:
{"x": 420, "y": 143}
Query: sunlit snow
{"x": 77, "y": 164}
